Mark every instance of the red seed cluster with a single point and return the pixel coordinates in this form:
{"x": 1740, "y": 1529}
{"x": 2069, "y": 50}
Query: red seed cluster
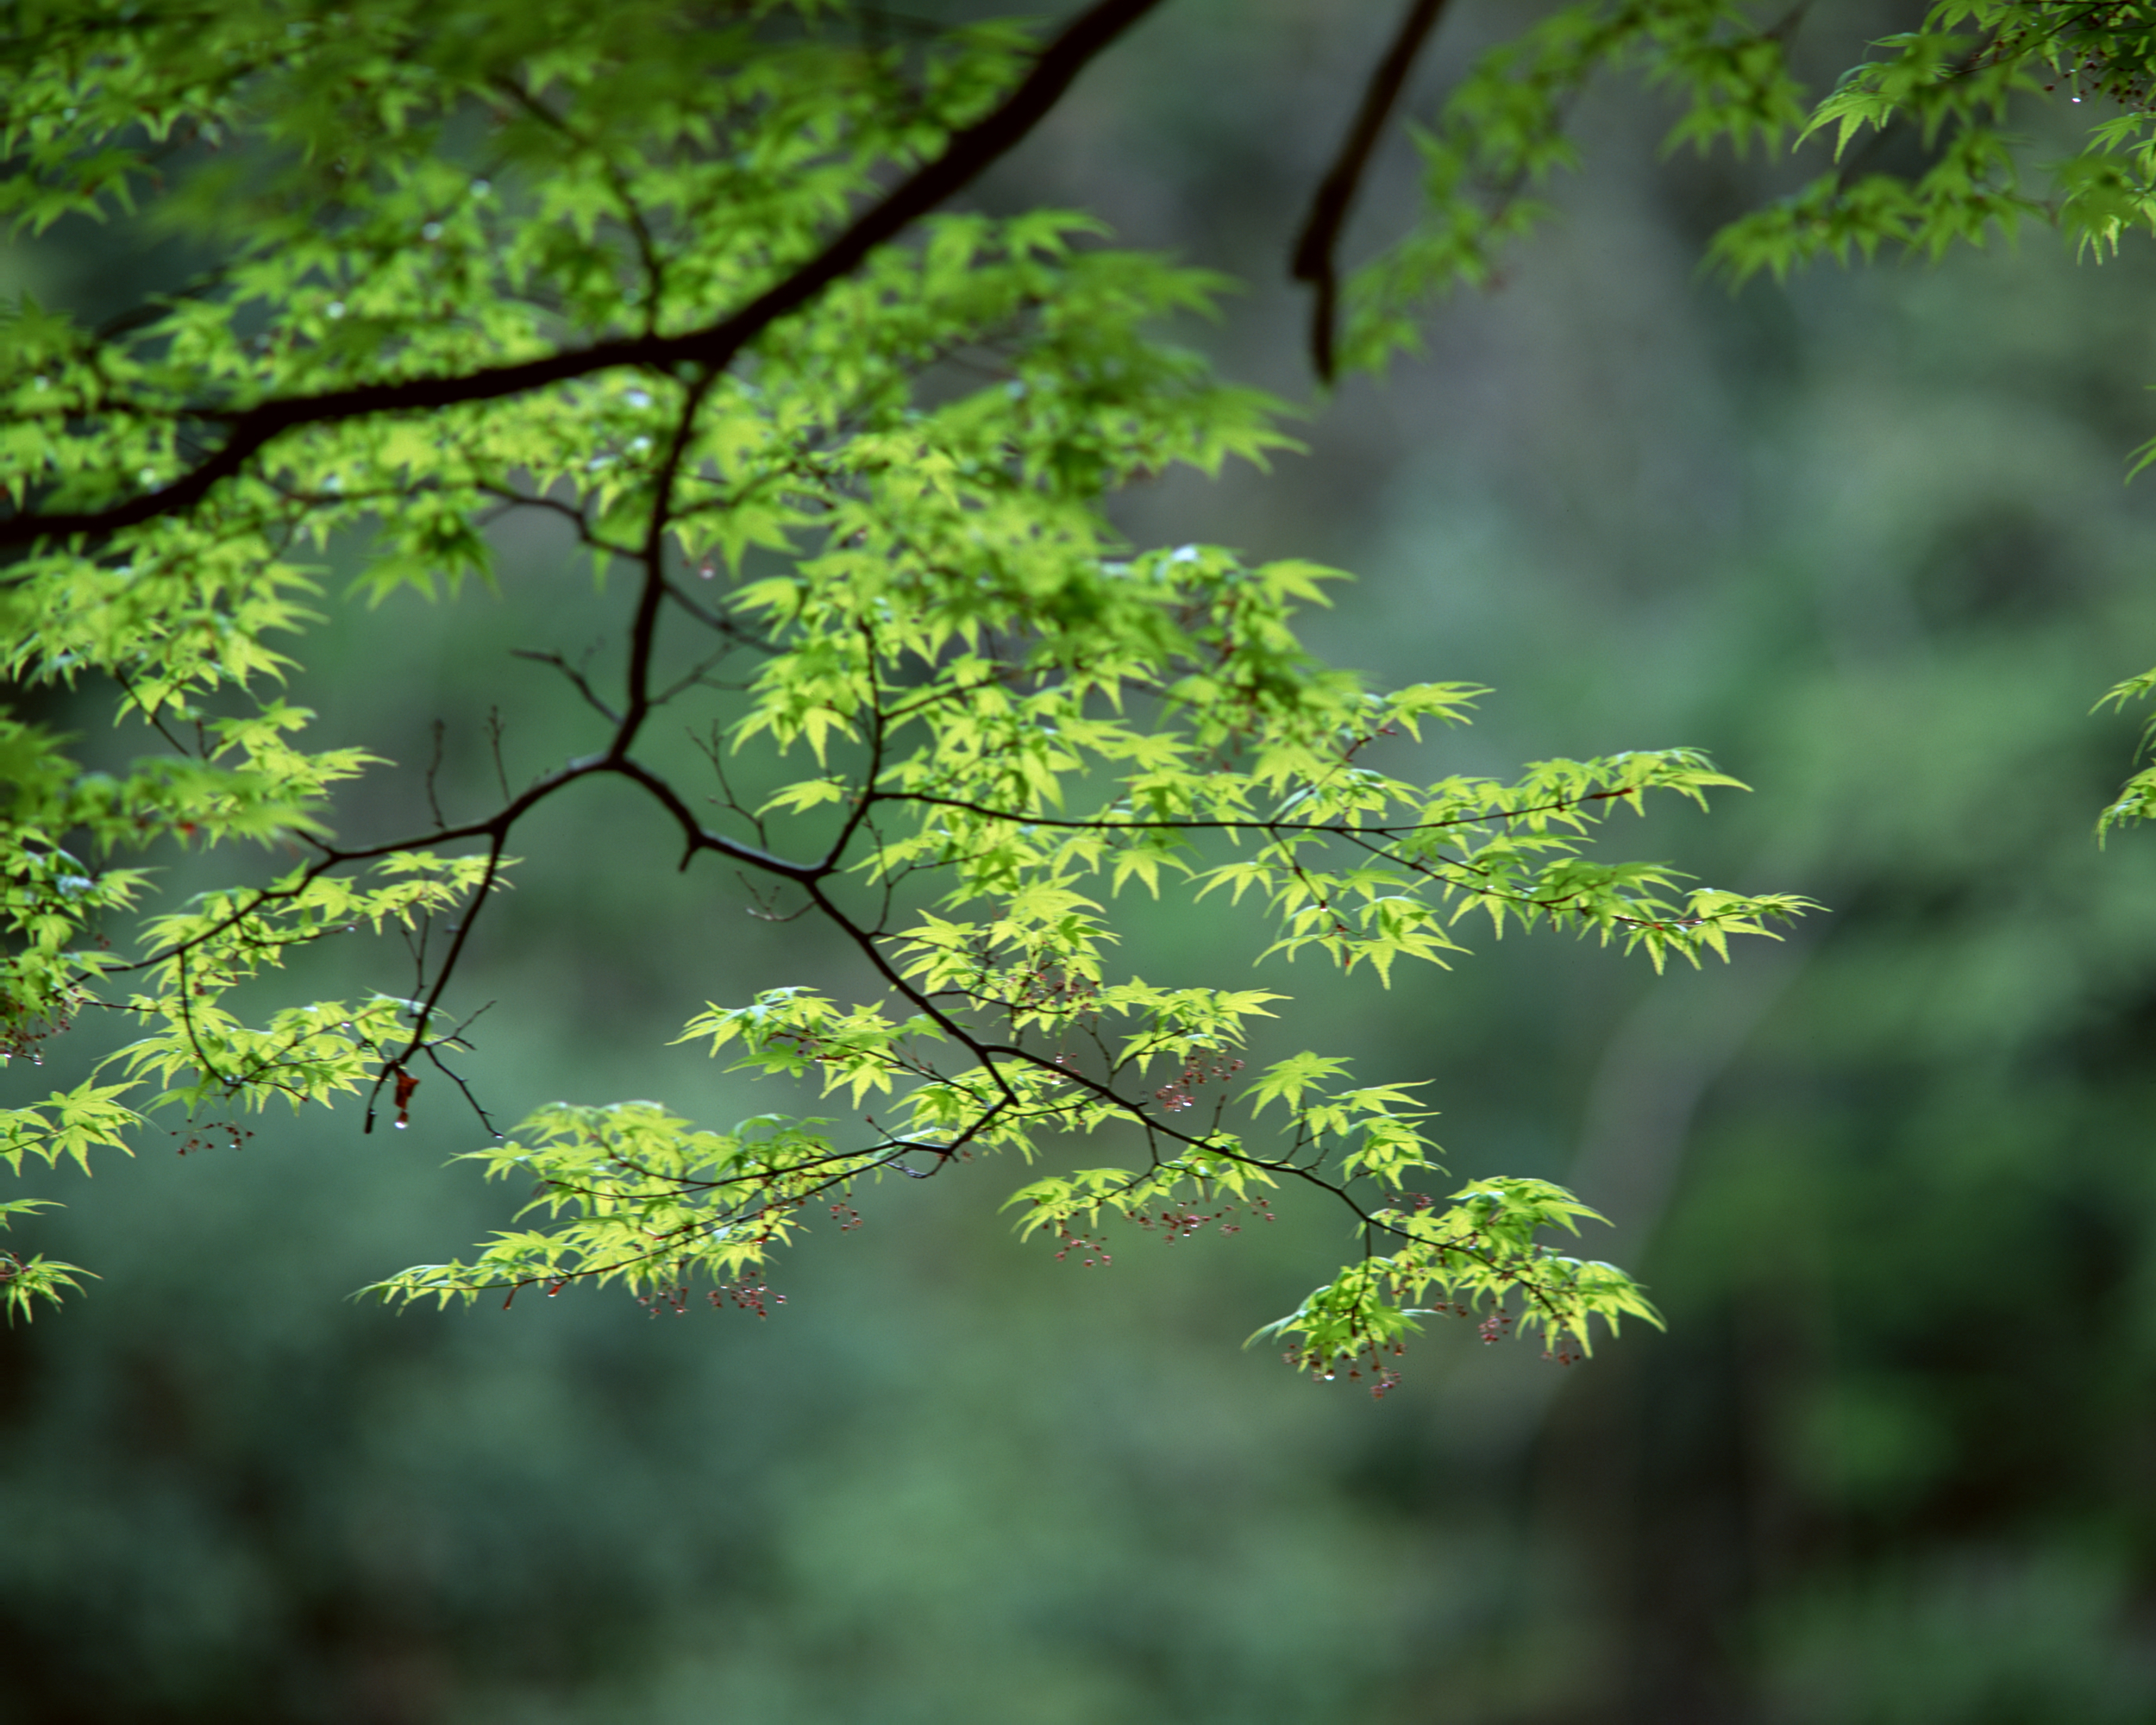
{"x": 207, "y": 1133}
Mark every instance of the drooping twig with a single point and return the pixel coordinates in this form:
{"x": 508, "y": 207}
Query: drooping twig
{"x": 1314, "y": 261}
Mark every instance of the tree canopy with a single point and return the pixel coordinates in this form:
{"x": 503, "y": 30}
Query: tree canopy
{"x": 685, "y": 282}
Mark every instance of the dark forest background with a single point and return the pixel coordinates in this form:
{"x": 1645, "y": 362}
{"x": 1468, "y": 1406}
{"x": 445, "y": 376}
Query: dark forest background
{"x": 1866, "y": 538}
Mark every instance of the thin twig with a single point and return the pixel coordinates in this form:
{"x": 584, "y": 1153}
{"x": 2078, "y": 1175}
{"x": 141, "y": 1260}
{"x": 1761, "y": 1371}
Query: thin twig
{"x": 575, "y": 677}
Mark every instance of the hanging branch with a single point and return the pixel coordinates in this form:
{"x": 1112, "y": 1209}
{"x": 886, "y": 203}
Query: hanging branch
{"x": 1314, "y": 261}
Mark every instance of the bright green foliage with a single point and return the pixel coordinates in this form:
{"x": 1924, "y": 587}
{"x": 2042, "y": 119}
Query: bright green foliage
{"x": 1964, "y": 86}
{"x": 1962, "y": 83}
{"x": 1503, "y": 133}
{"x": 22, "y": 1282}
{"x": 2136, "y": 800}
{"x": 877, "y": 509}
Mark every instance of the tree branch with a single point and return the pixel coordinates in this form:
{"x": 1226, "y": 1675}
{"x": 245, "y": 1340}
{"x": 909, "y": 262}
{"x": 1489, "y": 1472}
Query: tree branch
{"x": 967, "y": 154}
{"x": 1314, "y": 261}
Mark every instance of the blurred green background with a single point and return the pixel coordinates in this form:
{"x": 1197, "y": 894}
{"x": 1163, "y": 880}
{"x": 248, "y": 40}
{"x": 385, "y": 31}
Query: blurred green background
{"x": 1866, "y": 539}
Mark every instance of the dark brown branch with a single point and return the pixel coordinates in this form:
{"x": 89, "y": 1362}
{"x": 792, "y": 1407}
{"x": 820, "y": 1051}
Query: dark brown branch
{"x": 879, "y": 735}
{"x": 1113, "y": 823}
{"x": 643, "y": 630}
{"x": 431, "y": 1002}
{"x": 517, "y": 500}
{"x": 576, "y": 680}
{"x": 434, "y": 1060}
{"x": 1314, "y": 259}
{"x": 970, "y": 152}
{"x": 699, "y": 676}
{"x": 495, "y": 828}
